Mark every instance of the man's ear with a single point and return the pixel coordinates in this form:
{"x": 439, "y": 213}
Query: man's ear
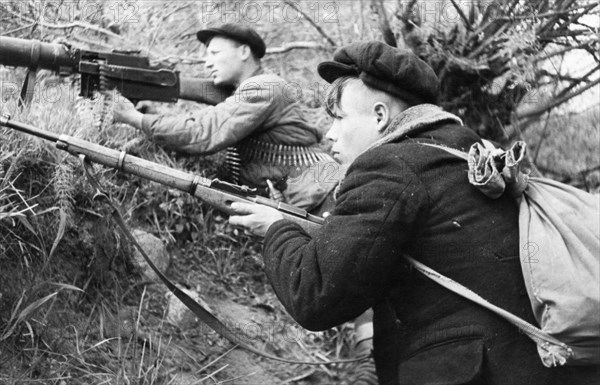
{"x": 383, "y": 114}
{"x": 246, "y": 52}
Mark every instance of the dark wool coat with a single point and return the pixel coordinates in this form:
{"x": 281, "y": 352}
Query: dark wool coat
{"x": 405, "y": 197}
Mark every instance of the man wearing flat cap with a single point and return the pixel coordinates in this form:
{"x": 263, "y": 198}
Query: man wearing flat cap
{"x": 270, "y": 146}
{"x": 403, "y": 196}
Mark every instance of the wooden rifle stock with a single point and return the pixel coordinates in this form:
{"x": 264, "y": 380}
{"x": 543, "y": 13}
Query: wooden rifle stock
{"x": 213, "y": 192}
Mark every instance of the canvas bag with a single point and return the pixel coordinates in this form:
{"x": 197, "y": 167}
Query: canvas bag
{"x": 559, "y": 233}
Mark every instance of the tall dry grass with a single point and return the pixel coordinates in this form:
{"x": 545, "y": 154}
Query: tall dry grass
{"x": 73, "y": 308}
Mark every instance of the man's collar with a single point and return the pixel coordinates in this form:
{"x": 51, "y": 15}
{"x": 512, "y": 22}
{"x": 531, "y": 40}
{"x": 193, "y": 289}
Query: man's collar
{"x": 256, "y": 72}
{"x": 414, "y": 118}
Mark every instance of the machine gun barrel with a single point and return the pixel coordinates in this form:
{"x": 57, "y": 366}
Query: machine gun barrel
{"x": 17, "y": 52}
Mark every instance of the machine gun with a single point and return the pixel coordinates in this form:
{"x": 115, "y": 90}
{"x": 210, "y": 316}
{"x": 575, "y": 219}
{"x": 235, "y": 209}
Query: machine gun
{"x": 126, "y": 71}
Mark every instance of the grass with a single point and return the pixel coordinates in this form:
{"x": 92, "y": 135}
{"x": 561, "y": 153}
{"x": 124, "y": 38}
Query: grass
{"x": 75, "y": 311}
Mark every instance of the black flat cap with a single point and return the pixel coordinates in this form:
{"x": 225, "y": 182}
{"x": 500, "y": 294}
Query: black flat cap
{"x": 393, "y": 70}
{"x": 239, "y": 33}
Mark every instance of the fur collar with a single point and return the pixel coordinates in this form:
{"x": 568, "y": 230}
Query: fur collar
{"x": 413, "y": 119}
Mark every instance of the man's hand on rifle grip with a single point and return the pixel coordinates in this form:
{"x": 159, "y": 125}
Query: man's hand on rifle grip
{"x": 253, "y": 217}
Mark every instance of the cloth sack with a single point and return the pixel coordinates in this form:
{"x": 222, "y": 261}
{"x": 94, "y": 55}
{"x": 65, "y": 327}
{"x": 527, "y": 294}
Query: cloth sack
{"x": 559, "y": 232}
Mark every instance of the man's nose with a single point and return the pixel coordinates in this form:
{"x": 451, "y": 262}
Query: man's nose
{"x": 331, "y": 135}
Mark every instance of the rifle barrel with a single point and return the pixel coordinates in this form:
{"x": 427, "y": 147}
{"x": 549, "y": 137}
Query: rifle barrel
{"x": 29, "y": 129}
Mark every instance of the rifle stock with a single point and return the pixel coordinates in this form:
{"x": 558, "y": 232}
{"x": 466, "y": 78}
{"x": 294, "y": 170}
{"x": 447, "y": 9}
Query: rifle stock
{"x": 128, "y": 72}
{"x": 212, "y": 192}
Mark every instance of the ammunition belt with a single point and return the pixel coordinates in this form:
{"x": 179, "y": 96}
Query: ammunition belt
{"x": 281, "y": 154}
{"x": 252, "y": 150}
{"x": 233, "y": 163}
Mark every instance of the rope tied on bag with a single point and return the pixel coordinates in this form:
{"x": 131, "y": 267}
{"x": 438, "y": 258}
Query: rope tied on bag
{"x": 493, "y": 170}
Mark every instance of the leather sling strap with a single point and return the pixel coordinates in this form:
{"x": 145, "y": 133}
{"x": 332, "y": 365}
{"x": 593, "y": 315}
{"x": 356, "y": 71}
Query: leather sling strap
{"x": 540, "y": 337}
{"x": 203, "y": 314}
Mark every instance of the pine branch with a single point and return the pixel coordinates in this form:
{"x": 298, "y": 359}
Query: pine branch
{"x": 270, "y": 51}
{"x": 554, "y": 19}
{"x": 558, "y": 76}
{"x": 548, "y": 37}
{"x": 384, "y": 24}
{"x": 311, "y": 21}
{"x": 18, "y": 29}
{"x": 71, "y": 25}
{"x": 556, "y": 102}
{"x": 562, "y": 51}
{"x": 462, "y": 16}
{"x": 546, "y": 15}
{"x": 296, "y": 45}
{"x": 486, "y": 43}
{"x": 577, "y": 82}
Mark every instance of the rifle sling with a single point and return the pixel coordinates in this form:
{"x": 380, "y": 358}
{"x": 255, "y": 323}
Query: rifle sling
{"x": 203, "y": 314}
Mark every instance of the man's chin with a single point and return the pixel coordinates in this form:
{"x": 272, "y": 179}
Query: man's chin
{"x": 224, "y": 84}
{"x": 343, "y": 161}
{"x": 338, "y": 159}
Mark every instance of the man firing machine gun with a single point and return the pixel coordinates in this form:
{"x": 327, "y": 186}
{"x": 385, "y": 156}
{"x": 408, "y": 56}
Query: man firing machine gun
{"x": 129, "y": 72}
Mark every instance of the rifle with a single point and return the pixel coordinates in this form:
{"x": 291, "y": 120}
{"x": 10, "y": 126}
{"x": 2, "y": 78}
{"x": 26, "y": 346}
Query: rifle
{"x": 127, "y": 71}
{"x": 213, "y": 192}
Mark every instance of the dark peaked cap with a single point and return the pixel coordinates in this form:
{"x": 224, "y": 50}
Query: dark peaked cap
{"x": 393, "y": 70}
{"x": 239, "y": 33}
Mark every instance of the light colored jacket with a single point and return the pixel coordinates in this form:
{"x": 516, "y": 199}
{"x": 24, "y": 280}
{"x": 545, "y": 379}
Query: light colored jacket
{"x": 263, "y": 108}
